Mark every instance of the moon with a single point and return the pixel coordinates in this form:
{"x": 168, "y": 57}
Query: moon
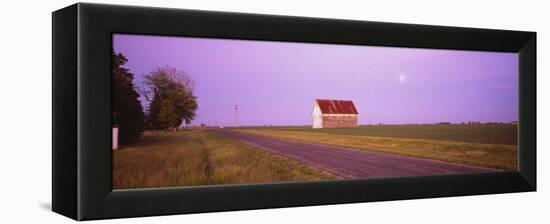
{"x": 402, "y": 78}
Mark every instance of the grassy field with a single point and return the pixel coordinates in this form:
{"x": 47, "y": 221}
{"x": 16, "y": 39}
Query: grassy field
{"x": 196, "y": 157}
{"x": 499, "y": 156}
{"x": 505, "y": 134}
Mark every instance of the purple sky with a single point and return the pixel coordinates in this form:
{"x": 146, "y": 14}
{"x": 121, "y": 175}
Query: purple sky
{"x": 277, "y": 82}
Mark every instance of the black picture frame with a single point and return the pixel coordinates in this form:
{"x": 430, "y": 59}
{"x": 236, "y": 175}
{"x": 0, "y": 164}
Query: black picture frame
{"x": 82, "y": 43}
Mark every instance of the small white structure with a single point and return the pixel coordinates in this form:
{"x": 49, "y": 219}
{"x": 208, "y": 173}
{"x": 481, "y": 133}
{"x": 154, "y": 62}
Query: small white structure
{"x": 334, "y": 114}
{"x": 115, "y": 137}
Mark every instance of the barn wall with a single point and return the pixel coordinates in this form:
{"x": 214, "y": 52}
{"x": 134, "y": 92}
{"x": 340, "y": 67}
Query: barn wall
{"x": 317, "y": 117}
{"x": 339, "y": 121}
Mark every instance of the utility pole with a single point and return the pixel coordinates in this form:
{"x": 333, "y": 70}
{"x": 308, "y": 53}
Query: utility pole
{"x": 236, "y": 115}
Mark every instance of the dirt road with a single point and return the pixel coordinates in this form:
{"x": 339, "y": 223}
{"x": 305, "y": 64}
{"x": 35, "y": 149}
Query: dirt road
{"x": 350, "y": 163}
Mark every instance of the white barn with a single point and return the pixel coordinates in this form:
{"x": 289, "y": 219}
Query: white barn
{"x": 334, "y": 114}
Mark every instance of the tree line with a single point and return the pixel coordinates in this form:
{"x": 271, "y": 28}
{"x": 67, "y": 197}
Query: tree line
{"x": 168, "y": 91}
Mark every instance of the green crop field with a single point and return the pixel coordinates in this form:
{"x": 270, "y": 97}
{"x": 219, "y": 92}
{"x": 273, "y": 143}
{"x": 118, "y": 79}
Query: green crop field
{"x": 476, "y": 133}
{"x": 197, "y": 157}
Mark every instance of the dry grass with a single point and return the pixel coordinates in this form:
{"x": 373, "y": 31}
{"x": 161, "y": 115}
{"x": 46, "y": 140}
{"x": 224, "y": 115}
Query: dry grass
{"x": 486, "y": 155}
{"x": 164, "y": 159}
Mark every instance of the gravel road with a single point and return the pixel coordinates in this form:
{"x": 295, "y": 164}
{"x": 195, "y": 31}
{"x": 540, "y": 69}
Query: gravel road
{"x": 350, "y": 163}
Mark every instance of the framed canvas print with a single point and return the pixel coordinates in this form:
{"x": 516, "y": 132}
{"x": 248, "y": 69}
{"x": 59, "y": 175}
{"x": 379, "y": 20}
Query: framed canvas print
{"x": 168, "y": 111}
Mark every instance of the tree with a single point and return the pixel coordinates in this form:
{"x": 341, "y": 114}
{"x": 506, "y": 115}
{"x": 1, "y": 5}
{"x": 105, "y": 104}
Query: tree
{"x": 127, "y": 111}
{"x": 170, "y": 93}
{"x": 168, "y": 115}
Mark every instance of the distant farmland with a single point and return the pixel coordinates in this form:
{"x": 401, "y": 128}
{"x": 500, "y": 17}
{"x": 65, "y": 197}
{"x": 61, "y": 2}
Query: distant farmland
{"x": 505, "y": 134}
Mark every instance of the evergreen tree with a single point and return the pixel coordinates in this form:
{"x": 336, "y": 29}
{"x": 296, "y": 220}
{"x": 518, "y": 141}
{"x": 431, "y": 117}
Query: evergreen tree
{"x": 127, "y": 111}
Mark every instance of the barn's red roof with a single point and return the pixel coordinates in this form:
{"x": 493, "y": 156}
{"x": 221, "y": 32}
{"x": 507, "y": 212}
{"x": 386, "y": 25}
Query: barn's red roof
{"x": 336, "y": 106}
